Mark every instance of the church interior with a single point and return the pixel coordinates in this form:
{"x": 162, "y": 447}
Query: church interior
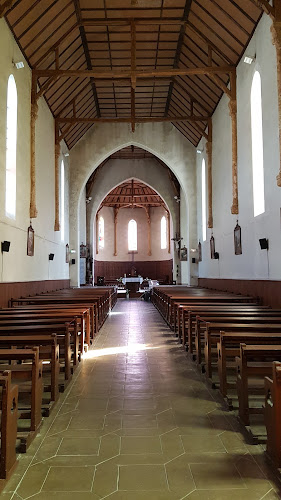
{"x": 140, "y": 229}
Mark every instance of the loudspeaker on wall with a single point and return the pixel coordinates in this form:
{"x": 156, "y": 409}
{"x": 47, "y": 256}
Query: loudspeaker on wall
{"x": 5, "y": 246}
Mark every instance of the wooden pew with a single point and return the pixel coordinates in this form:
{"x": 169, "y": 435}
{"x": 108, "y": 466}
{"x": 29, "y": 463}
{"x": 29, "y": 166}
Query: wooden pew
{"x": 219, "y": 311}
{"x": 254, "y": 361}
{"x": 48, "y": 351}
{"x": 63, "y": 338}
{"x": 212, "y": 334}
{"x": 228, "y": 349}
{"x": 29, "y": 376}
{"x": 9, "y": 420}
{"x": 272, "y": 414}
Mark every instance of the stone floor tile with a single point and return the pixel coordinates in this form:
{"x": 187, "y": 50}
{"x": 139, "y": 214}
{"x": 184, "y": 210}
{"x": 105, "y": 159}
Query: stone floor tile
{"x": 140, "y": 445}
{"x": 142, "y": 477}
{"x": 69, "y": 479}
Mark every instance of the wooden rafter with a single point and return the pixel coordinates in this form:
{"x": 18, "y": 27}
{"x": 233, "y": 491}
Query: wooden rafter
{"x": 5, "y": 6}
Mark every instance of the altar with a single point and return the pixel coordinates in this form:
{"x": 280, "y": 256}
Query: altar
{"x": 132, "y": 283}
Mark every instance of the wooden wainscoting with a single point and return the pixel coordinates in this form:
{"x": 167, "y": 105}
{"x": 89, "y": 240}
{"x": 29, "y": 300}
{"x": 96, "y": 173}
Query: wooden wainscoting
{"x": 25, "y": 288}
{"x": 268, "y": 291}
{"x": 158, "y": 269}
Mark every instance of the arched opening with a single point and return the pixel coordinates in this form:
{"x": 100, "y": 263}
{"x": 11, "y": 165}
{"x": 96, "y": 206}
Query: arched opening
{"x": 132, "y": 236}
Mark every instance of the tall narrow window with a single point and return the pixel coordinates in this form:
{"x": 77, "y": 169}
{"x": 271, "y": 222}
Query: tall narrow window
{"x": 62, "y": 199}
{"x": 204, "y": 218}
{"x": 101, "y": 232}
{"x": 163, "y": 233}
{"x": 257, "y": 145}
{"x": 132, "y": 236}
{"x": 11, "y": 148}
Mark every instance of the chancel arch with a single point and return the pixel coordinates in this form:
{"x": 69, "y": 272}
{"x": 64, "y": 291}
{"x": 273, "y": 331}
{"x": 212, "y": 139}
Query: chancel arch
{"x": 160, "y": 139}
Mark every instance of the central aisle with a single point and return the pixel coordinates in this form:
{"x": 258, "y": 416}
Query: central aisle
{"x": 140, "y": 424}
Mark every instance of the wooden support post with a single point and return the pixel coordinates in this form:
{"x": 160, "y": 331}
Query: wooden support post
{"x": 33, "y": 118}
{"x": 97, "y": 233}
{"x": 115, "y": 230}
{"x": 169, "y": 231}
{"x": 147, "y": 209}
{"x": 233, "y": 113}
{"x": 276, "y": 40}
{"x": 209, "y": 149}
{"x": 133, "y": 79}
{"x": 57, "y": 178}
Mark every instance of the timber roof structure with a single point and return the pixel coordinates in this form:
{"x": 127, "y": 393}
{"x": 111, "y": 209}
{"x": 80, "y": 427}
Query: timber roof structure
{"x": 132, "y": 60}
{"x": 133, "y": 194}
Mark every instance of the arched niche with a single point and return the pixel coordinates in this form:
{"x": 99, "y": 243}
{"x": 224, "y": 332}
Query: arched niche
{"x": 161, "y": 139}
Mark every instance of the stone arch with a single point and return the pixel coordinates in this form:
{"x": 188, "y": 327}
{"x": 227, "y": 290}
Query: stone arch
{"x": 161, "y": 139}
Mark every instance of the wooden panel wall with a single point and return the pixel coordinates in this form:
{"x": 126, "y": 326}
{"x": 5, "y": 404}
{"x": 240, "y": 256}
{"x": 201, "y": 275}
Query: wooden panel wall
{"x": 268, "y": 291}
{"x": 25, "y": 288}
{"x": 159, "y": 269}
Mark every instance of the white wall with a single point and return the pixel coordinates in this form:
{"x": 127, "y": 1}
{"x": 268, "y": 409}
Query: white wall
{"x": 252, "y": 264}
{"x": 16, "y": 265}
{"x": 124, "y": 216}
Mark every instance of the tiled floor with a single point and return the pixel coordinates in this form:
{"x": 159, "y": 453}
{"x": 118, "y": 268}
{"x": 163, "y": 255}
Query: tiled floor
{"x": 138, "y": 423}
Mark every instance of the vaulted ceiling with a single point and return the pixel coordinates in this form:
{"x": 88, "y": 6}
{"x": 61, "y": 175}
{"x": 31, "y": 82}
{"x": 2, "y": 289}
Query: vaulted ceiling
{"x": 110, "y": 38}
{"x": 133, "y": 194}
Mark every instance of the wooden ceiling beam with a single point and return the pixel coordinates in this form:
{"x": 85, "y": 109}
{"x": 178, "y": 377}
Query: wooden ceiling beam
{"x": 153, "y": 21}
{"x": 191, "y": 119}
{"x": 178, "y": 52}
{"x": 265, "y": 6}
{"x": 128, "y": 74}
{"x": 55, "y": 46}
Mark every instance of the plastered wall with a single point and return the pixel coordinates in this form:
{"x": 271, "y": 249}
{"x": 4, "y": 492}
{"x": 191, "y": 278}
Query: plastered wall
{"x": 254, "y": 263}
{"x": 16, "y": 265}
{"x": 124, "y": 216}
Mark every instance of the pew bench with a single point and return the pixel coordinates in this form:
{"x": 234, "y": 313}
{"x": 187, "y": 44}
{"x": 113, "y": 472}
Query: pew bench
{"x": 253, "y": 365}
{"x": 9, "y": 422}
{"x": 29, "y": 377}
{"x": 272, "y": 412}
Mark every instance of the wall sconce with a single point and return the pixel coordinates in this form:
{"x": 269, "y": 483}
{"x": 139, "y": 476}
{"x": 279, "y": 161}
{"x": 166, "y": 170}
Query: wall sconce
{"x": 18, "y": 64}
{"x": 249, "y": 59}
{"x": 73, "y": 251}
{"x": 5, "y": 246}
{"x": 51, "y": 256}
{"x": 263, "y": 243}
{"x": 177, "y": 198}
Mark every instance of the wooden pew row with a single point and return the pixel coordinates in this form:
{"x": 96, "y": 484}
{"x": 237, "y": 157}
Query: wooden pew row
{"x": 29, "y": 377}
{"x": 56, "y": 311}
{"x": 61, "y": 323}
{"x": 253, "y": 364}
{"x": 48, "y": 353}
{"x": 212, "y": 335}
{"x": 9, "y": 423}
{"x": 63, "y": 333}
{"x": 272, "y": 414}
{"x": 219, "y": 312}
{"x": 185, "y": 311}
{"x": 228, "y": 348}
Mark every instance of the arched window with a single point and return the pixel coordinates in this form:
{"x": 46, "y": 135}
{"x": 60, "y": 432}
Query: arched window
{"x": 204, "y": 218}
{"x": 257, "y": 145}
{"x": 163, "y": 233}
{"x": 101, "y": 232}
{"x": 62, "y": 208}
{"x": 132, "y": 235}
{"x": 11, "y": 148}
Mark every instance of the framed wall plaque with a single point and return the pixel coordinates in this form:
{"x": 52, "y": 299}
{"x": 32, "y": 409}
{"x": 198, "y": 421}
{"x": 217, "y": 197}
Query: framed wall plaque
{"x": 30, "y": 241}
{"x": 212, "y": 247}
{"x": 237, "y": 240}
{"x": 199, "y": 252}
{"x": 67, "y": 253}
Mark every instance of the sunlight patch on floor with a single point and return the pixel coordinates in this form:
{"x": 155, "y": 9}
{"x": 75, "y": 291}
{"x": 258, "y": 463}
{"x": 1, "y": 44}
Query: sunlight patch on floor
{"x": 126, "y": 349}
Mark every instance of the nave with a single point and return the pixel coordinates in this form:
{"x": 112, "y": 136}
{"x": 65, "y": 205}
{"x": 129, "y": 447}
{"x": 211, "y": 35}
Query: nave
{"x": 139, "y": 422}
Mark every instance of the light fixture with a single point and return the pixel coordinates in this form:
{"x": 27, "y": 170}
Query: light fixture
{"x": 5, "y": 246}
{"x": 88, "y": 199}
{"x": 199, "y": 151}
{"x": 18, "y": 64}
{"x": 66, "y": 155}
{"x": 177, "y": 198}
{"x": 249, "y": 59}
{"x": 72, "y": 251}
